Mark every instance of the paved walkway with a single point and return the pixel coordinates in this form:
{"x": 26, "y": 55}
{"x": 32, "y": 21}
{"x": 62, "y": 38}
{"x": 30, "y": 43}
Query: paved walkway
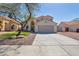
{"x": 44, "y": 45}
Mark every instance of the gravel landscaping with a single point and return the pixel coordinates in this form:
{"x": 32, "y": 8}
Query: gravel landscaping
{"x": 73, "y": 35}
{"x": 27, "y": 40}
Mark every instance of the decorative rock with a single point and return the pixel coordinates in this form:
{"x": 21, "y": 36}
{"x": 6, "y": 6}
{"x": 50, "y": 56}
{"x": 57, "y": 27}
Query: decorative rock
{"x": 20, "y": 36}
{"x": 13, "y": 37}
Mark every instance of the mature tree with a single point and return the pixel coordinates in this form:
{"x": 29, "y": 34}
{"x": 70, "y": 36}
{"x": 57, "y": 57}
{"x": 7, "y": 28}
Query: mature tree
{"x": 20, "y": 12}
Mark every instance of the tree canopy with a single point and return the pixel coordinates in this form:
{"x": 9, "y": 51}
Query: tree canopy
{"x": 21, "y": 12}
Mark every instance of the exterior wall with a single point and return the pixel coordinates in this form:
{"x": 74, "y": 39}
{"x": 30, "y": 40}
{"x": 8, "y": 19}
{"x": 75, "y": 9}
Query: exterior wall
{"x": 29, "y": 25}
{"x": 6, "y": 25}
{"x": 45, "y": 22}
{"x": 73, "y": 29}
{"x": 61, "y": 28}
{"x": 15, "y": 25}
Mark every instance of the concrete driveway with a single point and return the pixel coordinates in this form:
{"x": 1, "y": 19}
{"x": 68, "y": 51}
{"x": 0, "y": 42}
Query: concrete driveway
{"x": 54, "y": 39}
{"x": 44, "y": 45}
{"x": 56, "y": 44}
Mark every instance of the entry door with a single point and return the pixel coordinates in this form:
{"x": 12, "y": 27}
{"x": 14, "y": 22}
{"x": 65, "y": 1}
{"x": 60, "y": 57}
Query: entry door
{"x": 77, "y": 30}
{"x": 66, "y": 29}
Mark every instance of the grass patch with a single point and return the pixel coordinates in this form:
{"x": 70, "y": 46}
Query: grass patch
{"x": 25, "y": 33}
{"x": 11, "y": 34}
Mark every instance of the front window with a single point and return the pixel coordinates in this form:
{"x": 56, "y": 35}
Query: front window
{"x": 13, "y": 27}
{"x": 0, "y": 22}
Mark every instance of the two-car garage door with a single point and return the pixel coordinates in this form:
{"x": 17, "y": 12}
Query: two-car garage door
{"x": 45, "y": 28}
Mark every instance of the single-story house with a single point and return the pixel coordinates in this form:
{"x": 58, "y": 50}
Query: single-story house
{"x": 8, "y": 24}
{"x": 68, "y": 26}
{"x": 42, "y": 24}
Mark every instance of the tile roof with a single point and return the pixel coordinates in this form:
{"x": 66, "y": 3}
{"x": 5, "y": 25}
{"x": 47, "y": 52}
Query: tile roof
{"x": 70, "y": 23}
{"x": 8, "y": 19}
{"x": 49, "y": 18}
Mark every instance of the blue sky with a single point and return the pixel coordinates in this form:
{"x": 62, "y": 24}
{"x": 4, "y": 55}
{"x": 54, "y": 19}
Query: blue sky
{"x": 60, "y": 11}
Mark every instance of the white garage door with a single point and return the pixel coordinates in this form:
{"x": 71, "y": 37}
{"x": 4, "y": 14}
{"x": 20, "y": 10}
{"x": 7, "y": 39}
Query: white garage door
{"x": 45, "y": 28}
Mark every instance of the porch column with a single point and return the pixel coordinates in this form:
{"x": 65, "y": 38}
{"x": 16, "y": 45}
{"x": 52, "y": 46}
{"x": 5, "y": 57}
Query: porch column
{"x": 63, "y": 29}
{"x": 29, "y": 26}
{"x": 36, "y": 28}
{"x": 55, "y": 28}
{"x": 3, "y": 26}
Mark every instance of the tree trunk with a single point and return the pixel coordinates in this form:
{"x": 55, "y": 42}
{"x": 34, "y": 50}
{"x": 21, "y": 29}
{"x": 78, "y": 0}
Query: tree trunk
{"x": 24, "y": 24}
{"x": 19, "y": 31}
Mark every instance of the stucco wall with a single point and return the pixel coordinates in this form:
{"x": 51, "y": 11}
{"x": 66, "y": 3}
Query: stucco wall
{"x": 61, "y": 28}
{"x": 73, "y": 28}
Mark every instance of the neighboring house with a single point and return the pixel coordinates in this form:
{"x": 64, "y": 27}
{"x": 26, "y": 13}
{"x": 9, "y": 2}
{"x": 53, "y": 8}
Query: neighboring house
{"x": 42, "y": 24}
{"x": 8, "y": 24}
{"x": 68, "y": 26}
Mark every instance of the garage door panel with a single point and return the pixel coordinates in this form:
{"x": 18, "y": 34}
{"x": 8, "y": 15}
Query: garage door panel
{"x": 45, "y": 28}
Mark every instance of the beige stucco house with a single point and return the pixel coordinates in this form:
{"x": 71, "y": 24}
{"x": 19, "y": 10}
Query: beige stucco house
{"x": 68, "y": 26}
{"x": 42, "y": 24}
{"x": 8, "y": 24}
